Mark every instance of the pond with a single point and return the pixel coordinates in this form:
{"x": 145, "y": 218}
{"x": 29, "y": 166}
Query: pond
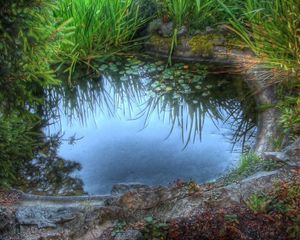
{"x": 139, "y": 121}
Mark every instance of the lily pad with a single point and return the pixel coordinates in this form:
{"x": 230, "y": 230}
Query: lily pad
{"x": 124, "y": 78}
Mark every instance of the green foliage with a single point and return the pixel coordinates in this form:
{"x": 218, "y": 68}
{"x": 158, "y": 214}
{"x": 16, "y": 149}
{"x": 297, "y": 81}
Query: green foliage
{"x": 119, "y": 227}
{"x": 195, "y": 14}
{"x": 294, "y": 230}
{"x": 27, "y": 49}
{"x": 290, "y": 117}
{"x": 258, "y": 204}
{"x": 283, "y": 202}
{"x": 154, "y": 229}
{"x": 271, "y": 29}
{"x": 96, "y": 28}
{"x": 247, "y": 162}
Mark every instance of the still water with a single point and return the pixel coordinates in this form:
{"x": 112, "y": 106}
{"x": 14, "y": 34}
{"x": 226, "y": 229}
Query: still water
{"x": 139, "y": 121}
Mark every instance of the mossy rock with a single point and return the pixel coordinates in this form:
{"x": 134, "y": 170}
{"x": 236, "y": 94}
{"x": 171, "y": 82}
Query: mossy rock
{"x": 204, "y": 44}
{"x": 161, "y": 42}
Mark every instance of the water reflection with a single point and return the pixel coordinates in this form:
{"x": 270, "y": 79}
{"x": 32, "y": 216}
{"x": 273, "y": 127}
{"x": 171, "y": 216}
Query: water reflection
{"x": 50, "y": 174}
{"x": 184, "y": 99}
{"x": 125, "y": 115}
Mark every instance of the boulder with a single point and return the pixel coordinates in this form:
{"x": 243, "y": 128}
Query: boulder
{"x": 122, "y": 188}
{"x": 6, "y": 220}
{"x": 289, "y": 156}
{"x": 45, "y": 216}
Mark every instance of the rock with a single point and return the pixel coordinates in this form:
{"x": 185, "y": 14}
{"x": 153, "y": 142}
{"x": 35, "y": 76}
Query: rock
{"x": 209, "y": 30}
{"x": 144, "y": 199}
{"x": 293, "y": 151}
{"x": 154, "y": 26}
{"x": 182, "y": 31}
{"x": 275, "y": 156}
{"x": 129, "y": 235}
{"x": 122, "y": 188}
{"x": 290, "y": 155}
{"x": 223, "y": 29}
{"x": 166, "y": 29}
{"x": 222, "y": 197}
{"x": 6, "y": 220}
{"x": 44, "y": 217}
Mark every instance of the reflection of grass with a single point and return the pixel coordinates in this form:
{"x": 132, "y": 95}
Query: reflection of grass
{"x": 91, "y": 94}
{"x": 189, "y": 117}
{"x": 180, "y": 95}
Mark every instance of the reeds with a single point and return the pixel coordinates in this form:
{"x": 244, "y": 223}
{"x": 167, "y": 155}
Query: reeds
{"x": 96, "y": 28}
{"x": 271, "y": 29}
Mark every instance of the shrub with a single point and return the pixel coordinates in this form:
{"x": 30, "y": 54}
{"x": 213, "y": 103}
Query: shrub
{"x": 27, "y": 47}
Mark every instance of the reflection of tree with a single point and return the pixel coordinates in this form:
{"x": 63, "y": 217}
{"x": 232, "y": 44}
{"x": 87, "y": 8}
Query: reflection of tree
{"x": 48, "y": 173}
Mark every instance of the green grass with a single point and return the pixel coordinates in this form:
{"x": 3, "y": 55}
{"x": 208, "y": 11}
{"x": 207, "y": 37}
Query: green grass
{"x": 258, "y": 204}
{"x": 249, "y": 164}
{"x": 271, "y": 29}
{"x": 96, "y": 29}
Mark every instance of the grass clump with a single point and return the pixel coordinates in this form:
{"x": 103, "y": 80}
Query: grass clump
{"x": 154, "y": 229}
{"x": 249, "y": 164}
{"x": 271, "y": 30}
{"x": 96, "y": 28}
{"x": 258, "y": 204}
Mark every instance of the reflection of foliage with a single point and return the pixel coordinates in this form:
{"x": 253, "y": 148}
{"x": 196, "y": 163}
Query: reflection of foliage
{"x": 183, "y": 94}
{"x": 91, "y": 93}
{"x": 22, "y": 141}
{"x": 186, "y": 96}
{"x": 48, "y": 173}
{"x": 18, "y": 140}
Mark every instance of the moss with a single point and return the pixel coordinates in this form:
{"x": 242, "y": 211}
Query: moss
{"x": 204, "y": 44}
{"x": 160, "y": 41}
